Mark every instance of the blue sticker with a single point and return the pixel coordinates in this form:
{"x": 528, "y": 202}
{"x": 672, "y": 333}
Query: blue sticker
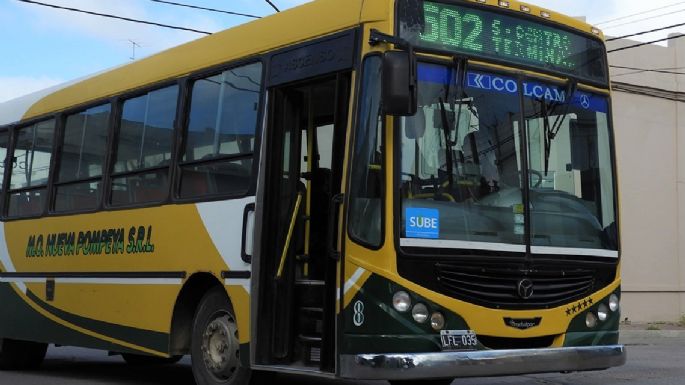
{"x": 498, "y": 83}
{"x": 422, "y": 223}
{"x": 433, "y": 73}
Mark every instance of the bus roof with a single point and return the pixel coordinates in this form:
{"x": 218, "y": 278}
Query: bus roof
{"x": 316, "y": 18}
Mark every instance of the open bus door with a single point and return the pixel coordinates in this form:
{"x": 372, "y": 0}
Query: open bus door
{"x": 298, "y": 267}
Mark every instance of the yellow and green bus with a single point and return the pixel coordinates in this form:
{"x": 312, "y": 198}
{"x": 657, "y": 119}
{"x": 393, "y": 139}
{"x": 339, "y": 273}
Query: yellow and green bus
{"x": 405, "y": 190}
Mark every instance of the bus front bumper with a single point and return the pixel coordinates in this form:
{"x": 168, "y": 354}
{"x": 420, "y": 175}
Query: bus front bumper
{"x": 482, "y": 363}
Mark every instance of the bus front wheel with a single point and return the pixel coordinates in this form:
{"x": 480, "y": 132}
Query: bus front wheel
{"x": 21, "y": 355}
{"x": 215, "y": 348}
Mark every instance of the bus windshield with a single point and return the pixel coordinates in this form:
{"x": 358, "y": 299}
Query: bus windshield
{"x": 462, "y": 175}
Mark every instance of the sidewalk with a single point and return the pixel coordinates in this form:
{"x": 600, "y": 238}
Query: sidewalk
{"x": 639, "y": 333}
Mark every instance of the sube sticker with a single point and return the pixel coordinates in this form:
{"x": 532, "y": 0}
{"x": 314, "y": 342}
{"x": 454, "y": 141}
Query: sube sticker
{"x": 422, "y": 223}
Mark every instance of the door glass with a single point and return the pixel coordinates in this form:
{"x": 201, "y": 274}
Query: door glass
{"x": 366, "y": 179}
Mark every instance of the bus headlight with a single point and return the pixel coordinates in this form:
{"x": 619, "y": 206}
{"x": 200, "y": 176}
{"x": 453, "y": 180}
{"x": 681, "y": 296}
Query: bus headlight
{"x": 420, "y": 313}
{"x": 401, "y": 301}
{"x": 613, "y": 303}
{"x": 591, "y": 320}
{"x": 602, "y": 312}
{"x": 437, "y": 321}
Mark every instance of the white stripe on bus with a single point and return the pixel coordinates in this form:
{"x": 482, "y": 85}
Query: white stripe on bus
{"x": 451, "y": 244}
{"x": 96, "y": 281}
{"x": 223, "y": 221}
{"x": 574, "y": 251}
{"x": 445, "y": 244}
{"x": 244, "y": 282}
{"x": 120, "y": 281}
{"x": 22, "y": 280}
{"x": 352, "y": 281}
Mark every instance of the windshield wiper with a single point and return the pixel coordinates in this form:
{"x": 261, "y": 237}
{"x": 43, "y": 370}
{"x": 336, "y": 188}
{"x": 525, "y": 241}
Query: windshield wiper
{"x": 460, "y": 64}
{"x": 449, "y": 158}
{"x": 552, "y": 131}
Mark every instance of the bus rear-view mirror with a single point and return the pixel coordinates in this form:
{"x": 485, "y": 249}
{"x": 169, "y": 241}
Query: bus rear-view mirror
{"x": 399, "y": 83}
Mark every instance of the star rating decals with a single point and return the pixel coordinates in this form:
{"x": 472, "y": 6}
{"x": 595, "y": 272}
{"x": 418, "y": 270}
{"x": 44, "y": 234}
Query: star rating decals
{"x": 580, "y": 306}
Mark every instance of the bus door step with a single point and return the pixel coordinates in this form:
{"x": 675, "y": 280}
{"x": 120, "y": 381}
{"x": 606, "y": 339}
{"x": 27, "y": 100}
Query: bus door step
{"x": 310, "y": 339}
{"x": 312, "y": 348}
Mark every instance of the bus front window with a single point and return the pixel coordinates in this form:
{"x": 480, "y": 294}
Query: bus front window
{"x": 572, "y": 184}
{"x": 462, "y": 166}
{"x": 460, "y": 173}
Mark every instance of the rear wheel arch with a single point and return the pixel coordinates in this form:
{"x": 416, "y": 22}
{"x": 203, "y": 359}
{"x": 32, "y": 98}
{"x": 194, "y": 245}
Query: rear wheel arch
{"x": 184, "y": 310}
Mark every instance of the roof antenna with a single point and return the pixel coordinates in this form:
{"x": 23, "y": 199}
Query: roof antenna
{"x": 272, "y": 4}
{"x": 133, "y": 47}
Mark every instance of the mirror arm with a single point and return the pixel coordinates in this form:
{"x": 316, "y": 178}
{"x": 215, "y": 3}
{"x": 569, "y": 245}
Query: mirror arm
{"x": 377, "y": 37}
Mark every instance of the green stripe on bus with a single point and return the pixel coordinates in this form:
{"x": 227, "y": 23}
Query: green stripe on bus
{"x": 19, "y": 321}
{"x": 145, "y": 338}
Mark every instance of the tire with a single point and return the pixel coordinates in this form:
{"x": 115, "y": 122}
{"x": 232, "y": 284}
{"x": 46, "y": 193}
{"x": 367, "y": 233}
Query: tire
{"x": 441, "y": 381}
{"x": 215, "y": 348}
{"x": 21, "y": 355}
{"x": 143, "y": 360}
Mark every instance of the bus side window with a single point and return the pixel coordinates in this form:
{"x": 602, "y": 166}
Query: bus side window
{"x": 30, "y": 166}
{"x": 144, "y": 142}
{"x": 220, "y": 136}
{"x": 79, "y": 178}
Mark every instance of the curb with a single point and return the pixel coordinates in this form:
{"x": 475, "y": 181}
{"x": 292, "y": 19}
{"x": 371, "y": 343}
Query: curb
{"x": 636, "y": 337}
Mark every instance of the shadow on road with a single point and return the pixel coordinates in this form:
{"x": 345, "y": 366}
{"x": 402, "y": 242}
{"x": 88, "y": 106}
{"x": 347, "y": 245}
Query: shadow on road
{"x": 74, "y": 366}
{"x": 113, "y": 371}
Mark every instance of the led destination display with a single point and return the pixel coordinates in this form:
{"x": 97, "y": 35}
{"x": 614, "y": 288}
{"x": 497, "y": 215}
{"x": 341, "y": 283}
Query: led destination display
{"x": 473, "y": 31}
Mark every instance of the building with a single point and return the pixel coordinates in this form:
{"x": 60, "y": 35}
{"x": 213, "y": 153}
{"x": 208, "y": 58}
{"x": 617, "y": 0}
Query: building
{"x": 649, "y": 119}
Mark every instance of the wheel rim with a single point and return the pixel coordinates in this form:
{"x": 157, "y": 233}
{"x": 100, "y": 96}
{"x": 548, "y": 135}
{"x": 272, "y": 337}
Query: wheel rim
{"x": 220, "y": 347}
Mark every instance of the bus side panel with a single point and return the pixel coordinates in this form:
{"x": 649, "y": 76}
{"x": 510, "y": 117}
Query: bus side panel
{"x": 115, "y": 276}
{"x": 24, "y": 320}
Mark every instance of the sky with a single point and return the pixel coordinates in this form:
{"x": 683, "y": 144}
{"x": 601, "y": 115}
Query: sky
{"x": 42, "y": 46}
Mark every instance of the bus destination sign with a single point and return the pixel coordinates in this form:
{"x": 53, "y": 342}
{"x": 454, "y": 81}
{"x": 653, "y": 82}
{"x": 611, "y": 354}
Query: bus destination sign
{"x": 491, "y": 35}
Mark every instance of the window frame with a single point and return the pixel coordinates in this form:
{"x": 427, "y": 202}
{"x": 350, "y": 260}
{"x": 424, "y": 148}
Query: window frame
{"x": 384, "y": 161}
{"x": 6, "y": 190}
{"x": 182, "y": 134}
{"x": 113, "y": 148}
{"x": 4, "y": 181}
{"x": 58, "y": 146}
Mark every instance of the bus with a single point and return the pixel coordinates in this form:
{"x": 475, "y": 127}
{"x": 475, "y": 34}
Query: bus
{"x": 401, "y": 190}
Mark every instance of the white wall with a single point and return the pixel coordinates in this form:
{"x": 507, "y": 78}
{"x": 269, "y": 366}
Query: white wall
{"x": 650, "y": 139}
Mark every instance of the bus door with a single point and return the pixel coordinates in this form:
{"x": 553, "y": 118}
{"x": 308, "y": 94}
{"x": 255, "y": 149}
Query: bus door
{"x": 298, "y": 265}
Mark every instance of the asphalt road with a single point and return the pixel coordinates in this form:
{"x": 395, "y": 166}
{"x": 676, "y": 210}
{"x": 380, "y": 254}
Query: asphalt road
{"x": 653, "y": 359}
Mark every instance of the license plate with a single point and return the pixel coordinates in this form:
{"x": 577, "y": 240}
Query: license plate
{"x": 458, "y": 340}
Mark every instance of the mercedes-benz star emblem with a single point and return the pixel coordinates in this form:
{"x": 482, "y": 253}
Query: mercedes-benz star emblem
{"x": 525, "y": 288}
{"x": 585, "y": 101}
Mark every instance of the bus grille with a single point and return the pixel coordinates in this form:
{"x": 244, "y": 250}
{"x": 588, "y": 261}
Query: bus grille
{"x": 498, "y": 287}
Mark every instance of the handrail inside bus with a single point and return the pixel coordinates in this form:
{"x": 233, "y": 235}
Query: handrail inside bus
{"x": 293, "y": 220}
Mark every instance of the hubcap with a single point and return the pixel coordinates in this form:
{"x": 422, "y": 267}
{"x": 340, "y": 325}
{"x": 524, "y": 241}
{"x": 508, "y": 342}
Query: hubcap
{"x": 220, "y": 347}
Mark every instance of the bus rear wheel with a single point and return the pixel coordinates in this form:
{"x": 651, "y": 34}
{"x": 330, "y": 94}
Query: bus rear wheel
{"x": 21, "y": 355}
{"x": 215, "y": 348}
